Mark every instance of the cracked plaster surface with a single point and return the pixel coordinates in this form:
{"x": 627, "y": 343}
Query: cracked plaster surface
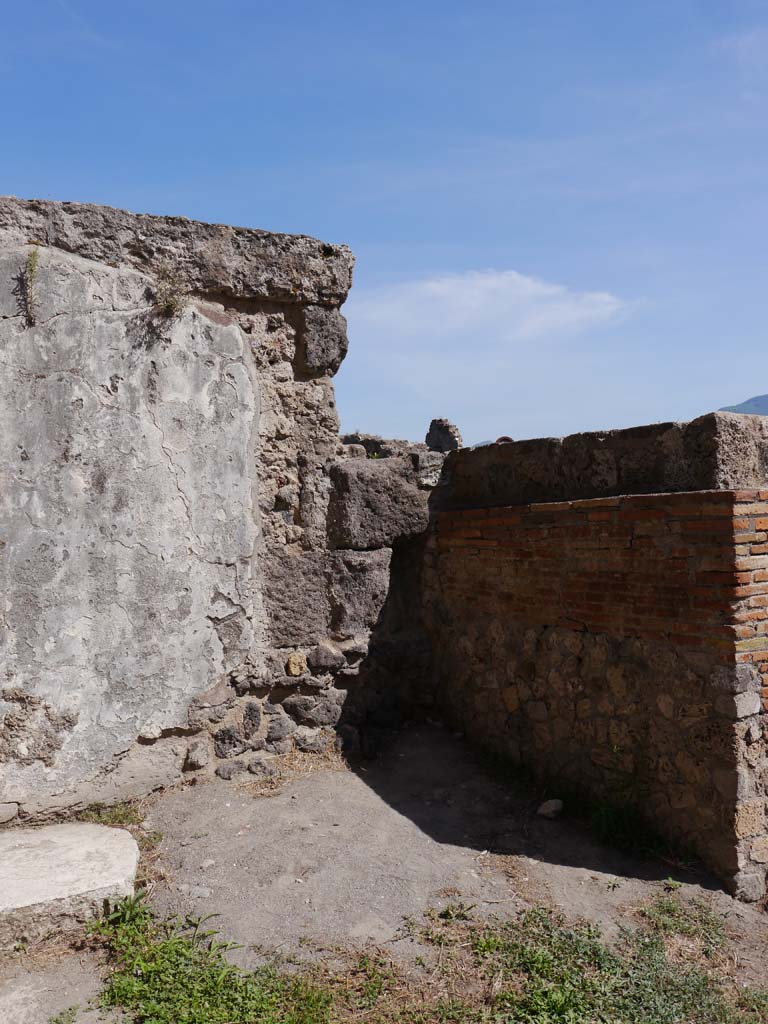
{"x": 127, "y": 530}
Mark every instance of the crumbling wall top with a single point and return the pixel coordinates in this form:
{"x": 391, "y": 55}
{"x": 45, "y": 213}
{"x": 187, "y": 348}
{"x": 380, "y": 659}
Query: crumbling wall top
{"x": 717, "y": 451}
{"x": 222, "y": 262}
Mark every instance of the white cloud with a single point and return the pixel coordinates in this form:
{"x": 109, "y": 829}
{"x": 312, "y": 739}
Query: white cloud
{"x": 458, "y": 344}
{"x": 496, "y": 308}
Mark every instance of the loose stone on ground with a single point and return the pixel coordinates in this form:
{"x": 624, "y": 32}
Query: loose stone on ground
{"x": 55, "y": 878}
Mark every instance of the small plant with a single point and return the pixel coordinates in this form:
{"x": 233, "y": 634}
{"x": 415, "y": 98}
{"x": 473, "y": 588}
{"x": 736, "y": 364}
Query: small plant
{"x": 170, "y": 291}
{"x": 125, "y": 813}
{"x": 374, "y": 976}
{"x": 26, "y": 287}
{"x": 67, "y": 1016}
{"x": 456, "y": 912}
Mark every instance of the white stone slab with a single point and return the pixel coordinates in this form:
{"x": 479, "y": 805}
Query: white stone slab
{"x": 55, "y": 878}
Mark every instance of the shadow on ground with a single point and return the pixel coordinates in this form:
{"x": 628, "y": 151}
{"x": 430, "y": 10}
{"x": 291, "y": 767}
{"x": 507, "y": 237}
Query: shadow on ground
{"x": 342, "y": 857}
{"x": 348, "y": 859}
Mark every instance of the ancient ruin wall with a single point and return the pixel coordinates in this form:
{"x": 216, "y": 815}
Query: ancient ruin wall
{"x": 170, "y": 594}
{"x": 191, "y": 561}
{"x": 618, "y": 647}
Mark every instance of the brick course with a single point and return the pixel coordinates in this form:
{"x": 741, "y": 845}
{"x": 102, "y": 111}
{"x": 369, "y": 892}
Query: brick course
{"x": 619, "y": 645}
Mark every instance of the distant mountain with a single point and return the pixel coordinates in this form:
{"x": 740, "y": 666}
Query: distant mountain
{"x": 757, "y": 406}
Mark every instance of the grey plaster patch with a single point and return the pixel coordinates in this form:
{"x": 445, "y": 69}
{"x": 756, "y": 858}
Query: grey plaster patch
{"x": 126, "y": 519}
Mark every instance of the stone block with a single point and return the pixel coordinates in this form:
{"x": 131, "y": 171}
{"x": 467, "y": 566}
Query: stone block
{"x": 322, "y": 341}
{"x": 56, "y": 878}
{"x": 198, "y": 755}
{"x": 714, "y": 452}
{"x": 375, "y": 502}
{"x": 296, "y": 598}
{"x": 8, "y": 812}
{"x": 358, "y": 588}
{"x": 750, "y": 818}
{"x": 296, "y": 664}
{"x": 749, "y": 885}
{"x": 240, "y": 263}
{"x": 443, "y": 436}
{"x": 326, "y": 657}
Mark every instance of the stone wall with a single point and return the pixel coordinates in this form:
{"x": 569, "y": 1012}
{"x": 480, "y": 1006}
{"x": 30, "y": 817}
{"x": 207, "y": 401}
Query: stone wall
{"x": 190, "y": 569}
{"x": 197, "y": 573}
{"x": 715, "y": 451}
{"x": 618, "y": 647}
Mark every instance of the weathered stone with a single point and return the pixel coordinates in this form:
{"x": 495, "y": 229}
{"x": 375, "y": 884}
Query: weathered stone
{"x": 550, "y": 809}
{"x": 758, "y": 850}
{"x": 240, "y": 263}
{"x": 323, "y": 709}
{"x": 279, "y": 726}
{"x": 284, "y": 746}
{"x": 750, "y": 818}
{"x": 263, "y": 768}
{"x": 355, "y": 648}
{"x": 229, "y": 741}
{"x": 126, "y": 585}
{"x": 160, "y": 383}
{"x": 749, "y": 885}
{"x": 739, "y": 705}
{"x": 251, "y": 719}
{"x": 311, "y": 741}
{"x": 443, "y": 436}
{"x": 322, "y": 341}
{"x": 377, "y": 447}
{"x": 297, "y": 598}
{"x": 427, "y": 467}
{"x": 57, "y": 877}
{"x": 8, "y": 812}
{"x": 296, "y": 664}
{"x": 717, "y": 451}
{"x": 374, "y": 502}
{"x": 229, "y": 770}
{"x": 359, "y": 584}
{"x": 198, "y": 755}
{"x": 736, "y": 678}
{"x": 325, "y": 657}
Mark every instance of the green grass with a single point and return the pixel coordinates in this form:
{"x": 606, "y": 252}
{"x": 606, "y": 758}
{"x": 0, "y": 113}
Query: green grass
{"x": 671, "y": 915}
{"x": 177, "y": 973}
{"x": 551, "y": 971}
{"x": 65, "y": 1017}
{"x": 535, "y": 969}
{"x": 126, "y": 813}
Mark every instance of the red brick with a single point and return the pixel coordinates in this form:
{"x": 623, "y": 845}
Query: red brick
{"x": 750, "y": 494}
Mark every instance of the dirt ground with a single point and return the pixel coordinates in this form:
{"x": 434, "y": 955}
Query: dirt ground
{"x": 344, "y": 858}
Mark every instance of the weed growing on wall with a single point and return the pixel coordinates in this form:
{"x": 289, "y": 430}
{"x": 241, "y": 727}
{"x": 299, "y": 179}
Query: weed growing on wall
{"x": 26, "y": 287}
{"x": 171, "y": 292}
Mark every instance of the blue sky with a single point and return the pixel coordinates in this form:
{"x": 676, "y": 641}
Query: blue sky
{"x": 559, "y": 208}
